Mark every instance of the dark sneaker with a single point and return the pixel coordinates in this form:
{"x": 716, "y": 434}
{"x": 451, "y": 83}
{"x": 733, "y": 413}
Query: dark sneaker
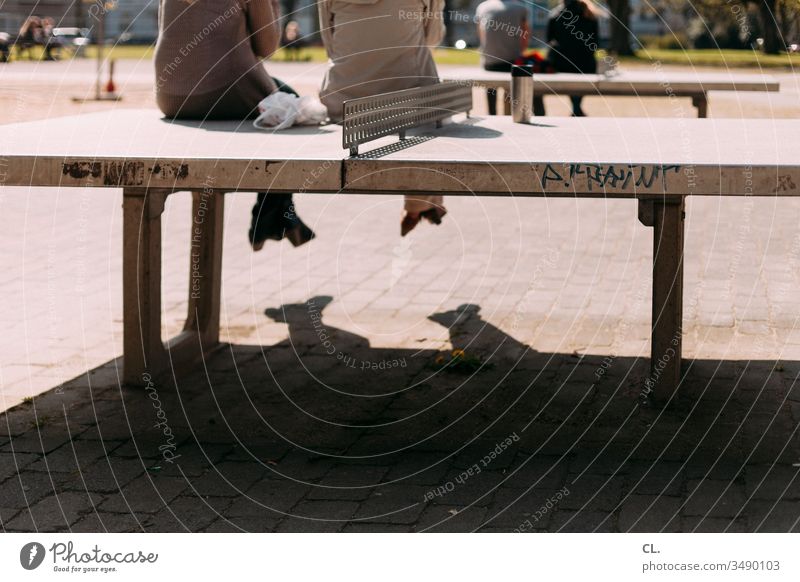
{"x": 262, "y": 232}
{"x": 278, "y": 223}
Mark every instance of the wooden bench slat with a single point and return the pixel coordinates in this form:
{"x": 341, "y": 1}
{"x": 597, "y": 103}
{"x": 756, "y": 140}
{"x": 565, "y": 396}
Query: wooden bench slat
{"x": 650, "y": 83}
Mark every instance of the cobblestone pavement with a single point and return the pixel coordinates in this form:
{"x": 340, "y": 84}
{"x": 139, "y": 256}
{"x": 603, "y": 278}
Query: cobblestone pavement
{"x": 338, "y": 404}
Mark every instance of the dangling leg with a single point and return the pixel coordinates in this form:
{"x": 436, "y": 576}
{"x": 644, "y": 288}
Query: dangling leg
{"x": 577, "y": 111}
{"x": 538, "y": 106}
{"x": 267, "y": 220}
{"x": 431, "y": 208}
{"x": 274, "y": 218}
{"x": 294, "y": 229}
{"x": 491, "y": 100}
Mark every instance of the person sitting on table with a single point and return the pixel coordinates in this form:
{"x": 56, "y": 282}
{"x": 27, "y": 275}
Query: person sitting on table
{"x": 572, "y": 33}
{"x": 503, "y": 32}
{"x": 378, "y": 46}
{"x": 208, "y": 67}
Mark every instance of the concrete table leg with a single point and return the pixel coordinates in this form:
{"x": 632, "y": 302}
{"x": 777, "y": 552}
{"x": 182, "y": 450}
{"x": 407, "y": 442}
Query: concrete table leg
{"x": 666, "y": 216}
{"x": 205, "y": 273}
{"x": 146, "y": 356}
{"x": 144, "y": 352}
{"x": 701, "y": 102}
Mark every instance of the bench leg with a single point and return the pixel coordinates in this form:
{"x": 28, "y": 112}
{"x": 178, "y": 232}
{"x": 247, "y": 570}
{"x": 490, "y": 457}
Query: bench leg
{"x": 146, "y": 356}
{"x": 701, "y": 102}
{"x": 200, "y": 334}
{"x": 205, "y": 272}
{"x": 141, "y": 285}
{"x": 666, "y": 216}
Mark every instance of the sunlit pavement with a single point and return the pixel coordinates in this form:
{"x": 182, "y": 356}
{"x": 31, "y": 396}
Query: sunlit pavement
{"x": 537, "y": 427}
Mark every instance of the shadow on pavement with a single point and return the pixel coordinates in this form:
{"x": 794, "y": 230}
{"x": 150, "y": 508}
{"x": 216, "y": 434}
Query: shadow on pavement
{"x": 323, "y": 432}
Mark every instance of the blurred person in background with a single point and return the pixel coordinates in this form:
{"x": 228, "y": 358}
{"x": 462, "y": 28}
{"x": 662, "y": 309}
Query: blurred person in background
{"x": 5, "y": 47}
{"x": 572, "y": 34}
{"x": 292, "y": 41}
{"x": 503, "y": 31}
{"x": 30, "y": 35}
{"x": 378, "y": 46}
{"x": 208, "y": 67}
{"x": 50, "y": 42}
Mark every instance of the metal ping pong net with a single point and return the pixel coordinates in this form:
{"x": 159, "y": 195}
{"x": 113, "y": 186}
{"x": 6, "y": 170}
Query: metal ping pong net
{"x": 369, "y": 118}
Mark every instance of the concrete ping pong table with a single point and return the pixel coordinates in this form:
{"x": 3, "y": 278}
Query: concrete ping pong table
{"x": 625, "y": 84}
{"x": 655, "y": 162}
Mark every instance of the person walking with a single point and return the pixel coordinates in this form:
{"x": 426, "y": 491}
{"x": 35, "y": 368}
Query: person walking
{"x": 572, "y": 33}
{"x": 208, "y": 67}
{"x": 503, "y": 31}
{"x": 378, "y": 46}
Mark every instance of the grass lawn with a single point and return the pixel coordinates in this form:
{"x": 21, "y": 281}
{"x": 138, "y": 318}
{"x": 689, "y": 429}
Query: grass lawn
{"x": 443, "y": 56}
{"x": 717, "y": 58}
{"x": 449, "y": 56}
{"x": 123, "y": 51}
{"x": 697, "y": 58}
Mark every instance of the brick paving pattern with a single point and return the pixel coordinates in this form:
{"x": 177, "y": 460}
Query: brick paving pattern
{"x": 337, "y": 406}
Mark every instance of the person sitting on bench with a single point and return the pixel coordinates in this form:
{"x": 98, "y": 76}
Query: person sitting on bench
{"x": 5, "y": 47}
{"x": 30, "y": 35}
{"x": 379, "y": 47}
{"x": 49, "y": 40}
{"x": 503, "y": 31}
{"x": 572, "y": 33}
{"x": 208, "y": 67}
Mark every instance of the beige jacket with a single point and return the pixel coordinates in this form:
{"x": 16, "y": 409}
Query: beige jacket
{"x": 376, "y": 46}
{"x": 208, "y": 56}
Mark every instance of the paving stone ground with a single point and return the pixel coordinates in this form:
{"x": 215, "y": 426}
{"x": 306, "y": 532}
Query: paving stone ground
{"x": 538, "y": 427}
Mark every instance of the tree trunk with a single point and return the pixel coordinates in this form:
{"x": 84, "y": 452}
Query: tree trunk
{"x": 449, "y": 31}
{"x": 620, "y": 27}
{"x": 773, "y": 43}
{"x": 80, "y": 14}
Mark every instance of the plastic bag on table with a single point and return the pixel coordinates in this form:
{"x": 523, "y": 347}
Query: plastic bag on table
{"x": 282, "y": 110}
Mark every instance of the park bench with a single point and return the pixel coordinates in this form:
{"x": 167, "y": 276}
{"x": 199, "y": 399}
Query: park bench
{"x": 656, "y": 83}
{"x": 6, "y": 45}
{"x": 17, "y": 47}
{"x": 20, "y": 47}
{"x": 656, "y": 162}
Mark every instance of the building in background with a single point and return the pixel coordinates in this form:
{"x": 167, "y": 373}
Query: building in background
{"x": 657, "y": 18}
{"x": 137, "y": 20}
{"x": 304, "y": 13}
{"x": 133, "y": 21}
{"x": 126, "y": 20}
{"x": 648, "y": 18}
{"x": 65, "y": 12}
{"x": 460, "y": 18}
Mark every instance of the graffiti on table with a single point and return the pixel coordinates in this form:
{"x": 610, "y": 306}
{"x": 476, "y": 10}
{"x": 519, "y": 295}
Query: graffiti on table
{"x": 785, "y": 184}
{"x": 634, "y": 177}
